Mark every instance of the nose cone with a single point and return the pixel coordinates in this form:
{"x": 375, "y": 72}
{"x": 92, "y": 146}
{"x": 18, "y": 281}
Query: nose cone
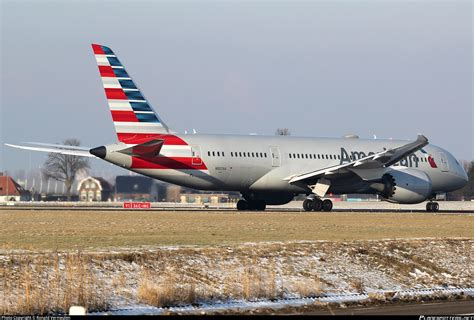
{"x": 464, "y": 176}
{"x": 99, "y": 152}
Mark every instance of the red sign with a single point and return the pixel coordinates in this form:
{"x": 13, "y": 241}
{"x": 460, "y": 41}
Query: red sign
{"x": 136, "y": 205}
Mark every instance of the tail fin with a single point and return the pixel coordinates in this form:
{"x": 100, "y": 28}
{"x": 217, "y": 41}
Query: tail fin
{"x": 133, "y": 116}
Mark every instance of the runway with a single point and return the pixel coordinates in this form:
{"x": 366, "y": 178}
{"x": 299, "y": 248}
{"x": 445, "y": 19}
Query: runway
{"x": 426, "y": 308}
{"x": 446, "y": 207}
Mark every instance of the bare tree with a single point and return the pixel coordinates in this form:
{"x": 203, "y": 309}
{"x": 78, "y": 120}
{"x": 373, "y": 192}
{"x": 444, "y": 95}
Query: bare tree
{"x": 283, "y": 132}
{"x": 64, "y": 168}
{"x": 467, "y": 192}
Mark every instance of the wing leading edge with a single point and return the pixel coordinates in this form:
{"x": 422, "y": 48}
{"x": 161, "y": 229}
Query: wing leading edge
{"x": 52, "y": 148}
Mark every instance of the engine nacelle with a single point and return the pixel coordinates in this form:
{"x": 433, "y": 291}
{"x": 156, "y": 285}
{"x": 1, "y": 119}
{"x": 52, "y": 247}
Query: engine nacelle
{"x": 404, "y": 185}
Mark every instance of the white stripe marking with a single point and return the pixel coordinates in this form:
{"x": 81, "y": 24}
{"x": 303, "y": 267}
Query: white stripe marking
{"x": 109, "y": 82}
{"x": 120, "y": 105}
{"x": 102, "y": 60}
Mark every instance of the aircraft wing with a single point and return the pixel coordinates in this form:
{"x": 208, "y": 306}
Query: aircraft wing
{"x": 381, "y": 159}
{"x": 61, "y": 149}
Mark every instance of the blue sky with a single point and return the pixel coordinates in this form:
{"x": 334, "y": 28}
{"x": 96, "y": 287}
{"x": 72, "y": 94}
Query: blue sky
{"x": 320, "y": 68}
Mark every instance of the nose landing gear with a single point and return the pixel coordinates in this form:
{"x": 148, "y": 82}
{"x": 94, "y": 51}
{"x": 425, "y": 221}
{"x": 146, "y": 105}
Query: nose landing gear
{"x": 317, "y": 204}
{"x": 432, "y": 206}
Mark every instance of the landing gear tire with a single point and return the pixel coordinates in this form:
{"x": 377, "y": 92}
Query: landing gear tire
{"x": 317, "y": 204}
{"x": 242, "y": 205}
{"x": 260, "y": 205}
{"x": 327, "y": 205}
{"x": 307, "y": 205}
{"x": 257, "y": 205}
{"x": 432, "y": 207}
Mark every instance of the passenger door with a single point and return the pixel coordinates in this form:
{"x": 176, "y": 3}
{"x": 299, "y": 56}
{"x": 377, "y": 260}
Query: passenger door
{"x": 196, "y": 159}
{"x": 444, "y": 162}
{"x": 275, "y": 155}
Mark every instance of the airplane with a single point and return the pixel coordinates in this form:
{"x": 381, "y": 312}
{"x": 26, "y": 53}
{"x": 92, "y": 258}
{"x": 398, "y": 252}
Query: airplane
{"x": 266, "y": 170}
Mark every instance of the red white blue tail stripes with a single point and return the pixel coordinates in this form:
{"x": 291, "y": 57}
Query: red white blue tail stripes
{"x": 135, "y": 120}
{"x": 132, "y": 114}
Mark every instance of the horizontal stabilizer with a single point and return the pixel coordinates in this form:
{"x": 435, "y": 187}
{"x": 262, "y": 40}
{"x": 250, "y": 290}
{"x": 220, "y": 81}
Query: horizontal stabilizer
{"x": 144, "y": 150}
{"x": 69, "y": 150}
{"x": 61, "y": 146}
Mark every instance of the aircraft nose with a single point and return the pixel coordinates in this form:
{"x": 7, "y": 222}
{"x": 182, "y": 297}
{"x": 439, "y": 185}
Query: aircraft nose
{"x": 464, "y": 176}
{"x": 461, "y": 176}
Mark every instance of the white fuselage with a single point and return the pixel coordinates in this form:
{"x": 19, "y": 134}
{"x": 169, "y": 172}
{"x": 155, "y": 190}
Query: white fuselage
{"x": 261, "y": 163}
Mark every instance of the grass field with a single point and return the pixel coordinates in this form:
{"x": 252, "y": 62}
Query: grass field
{"x": 65, "y": 230}
{"x": 108, "y": 259}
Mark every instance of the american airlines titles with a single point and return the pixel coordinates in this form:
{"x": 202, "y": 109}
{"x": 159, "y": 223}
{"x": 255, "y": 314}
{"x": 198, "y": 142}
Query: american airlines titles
{"x": 346, "y": 156}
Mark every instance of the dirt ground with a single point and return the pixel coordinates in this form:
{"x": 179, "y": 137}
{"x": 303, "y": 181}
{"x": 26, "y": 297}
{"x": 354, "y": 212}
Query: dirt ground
{"x": 170, "y": 276}
{"x": 72, "y": 230}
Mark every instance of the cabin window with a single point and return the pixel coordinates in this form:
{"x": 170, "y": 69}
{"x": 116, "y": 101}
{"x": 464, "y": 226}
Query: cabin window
{"x": 289, "y": 155}
{"x": 209, "y": 153}
{"x": 213, "y": 154}
{"x": 265, "y": 154}
{"x": 339, "y": 157}
{"x": 253, "y": 155}
{"x": 306, "y": 156}
{"x": 223, "y": 154}
{"x": 218, "y": 154}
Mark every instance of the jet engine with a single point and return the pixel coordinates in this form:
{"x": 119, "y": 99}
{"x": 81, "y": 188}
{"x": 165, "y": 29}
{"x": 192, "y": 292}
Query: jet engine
{"x": 404, "y": 185}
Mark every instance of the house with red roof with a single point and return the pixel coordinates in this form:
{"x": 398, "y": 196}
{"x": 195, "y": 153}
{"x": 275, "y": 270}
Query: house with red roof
{"x": 12, "y": 191}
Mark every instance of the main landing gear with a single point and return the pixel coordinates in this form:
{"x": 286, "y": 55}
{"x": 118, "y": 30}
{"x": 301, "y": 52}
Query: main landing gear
{"x": 317, "y": 204}
{"x": 432, "y": 206}
{"x": 258, "y": 205}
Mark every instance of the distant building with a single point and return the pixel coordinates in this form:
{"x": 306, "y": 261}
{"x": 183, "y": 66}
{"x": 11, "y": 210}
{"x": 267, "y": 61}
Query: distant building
{"x": 94, "y": 189}
{"x": 205, "y": 198}
{"x": 12, "y": 191}
{"x": 138, "y": 188}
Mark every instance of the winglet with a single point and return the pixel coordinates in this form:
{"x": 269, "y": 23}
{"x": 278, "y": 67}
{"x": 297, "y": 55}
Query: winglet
{"x": 421, "y": 138}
